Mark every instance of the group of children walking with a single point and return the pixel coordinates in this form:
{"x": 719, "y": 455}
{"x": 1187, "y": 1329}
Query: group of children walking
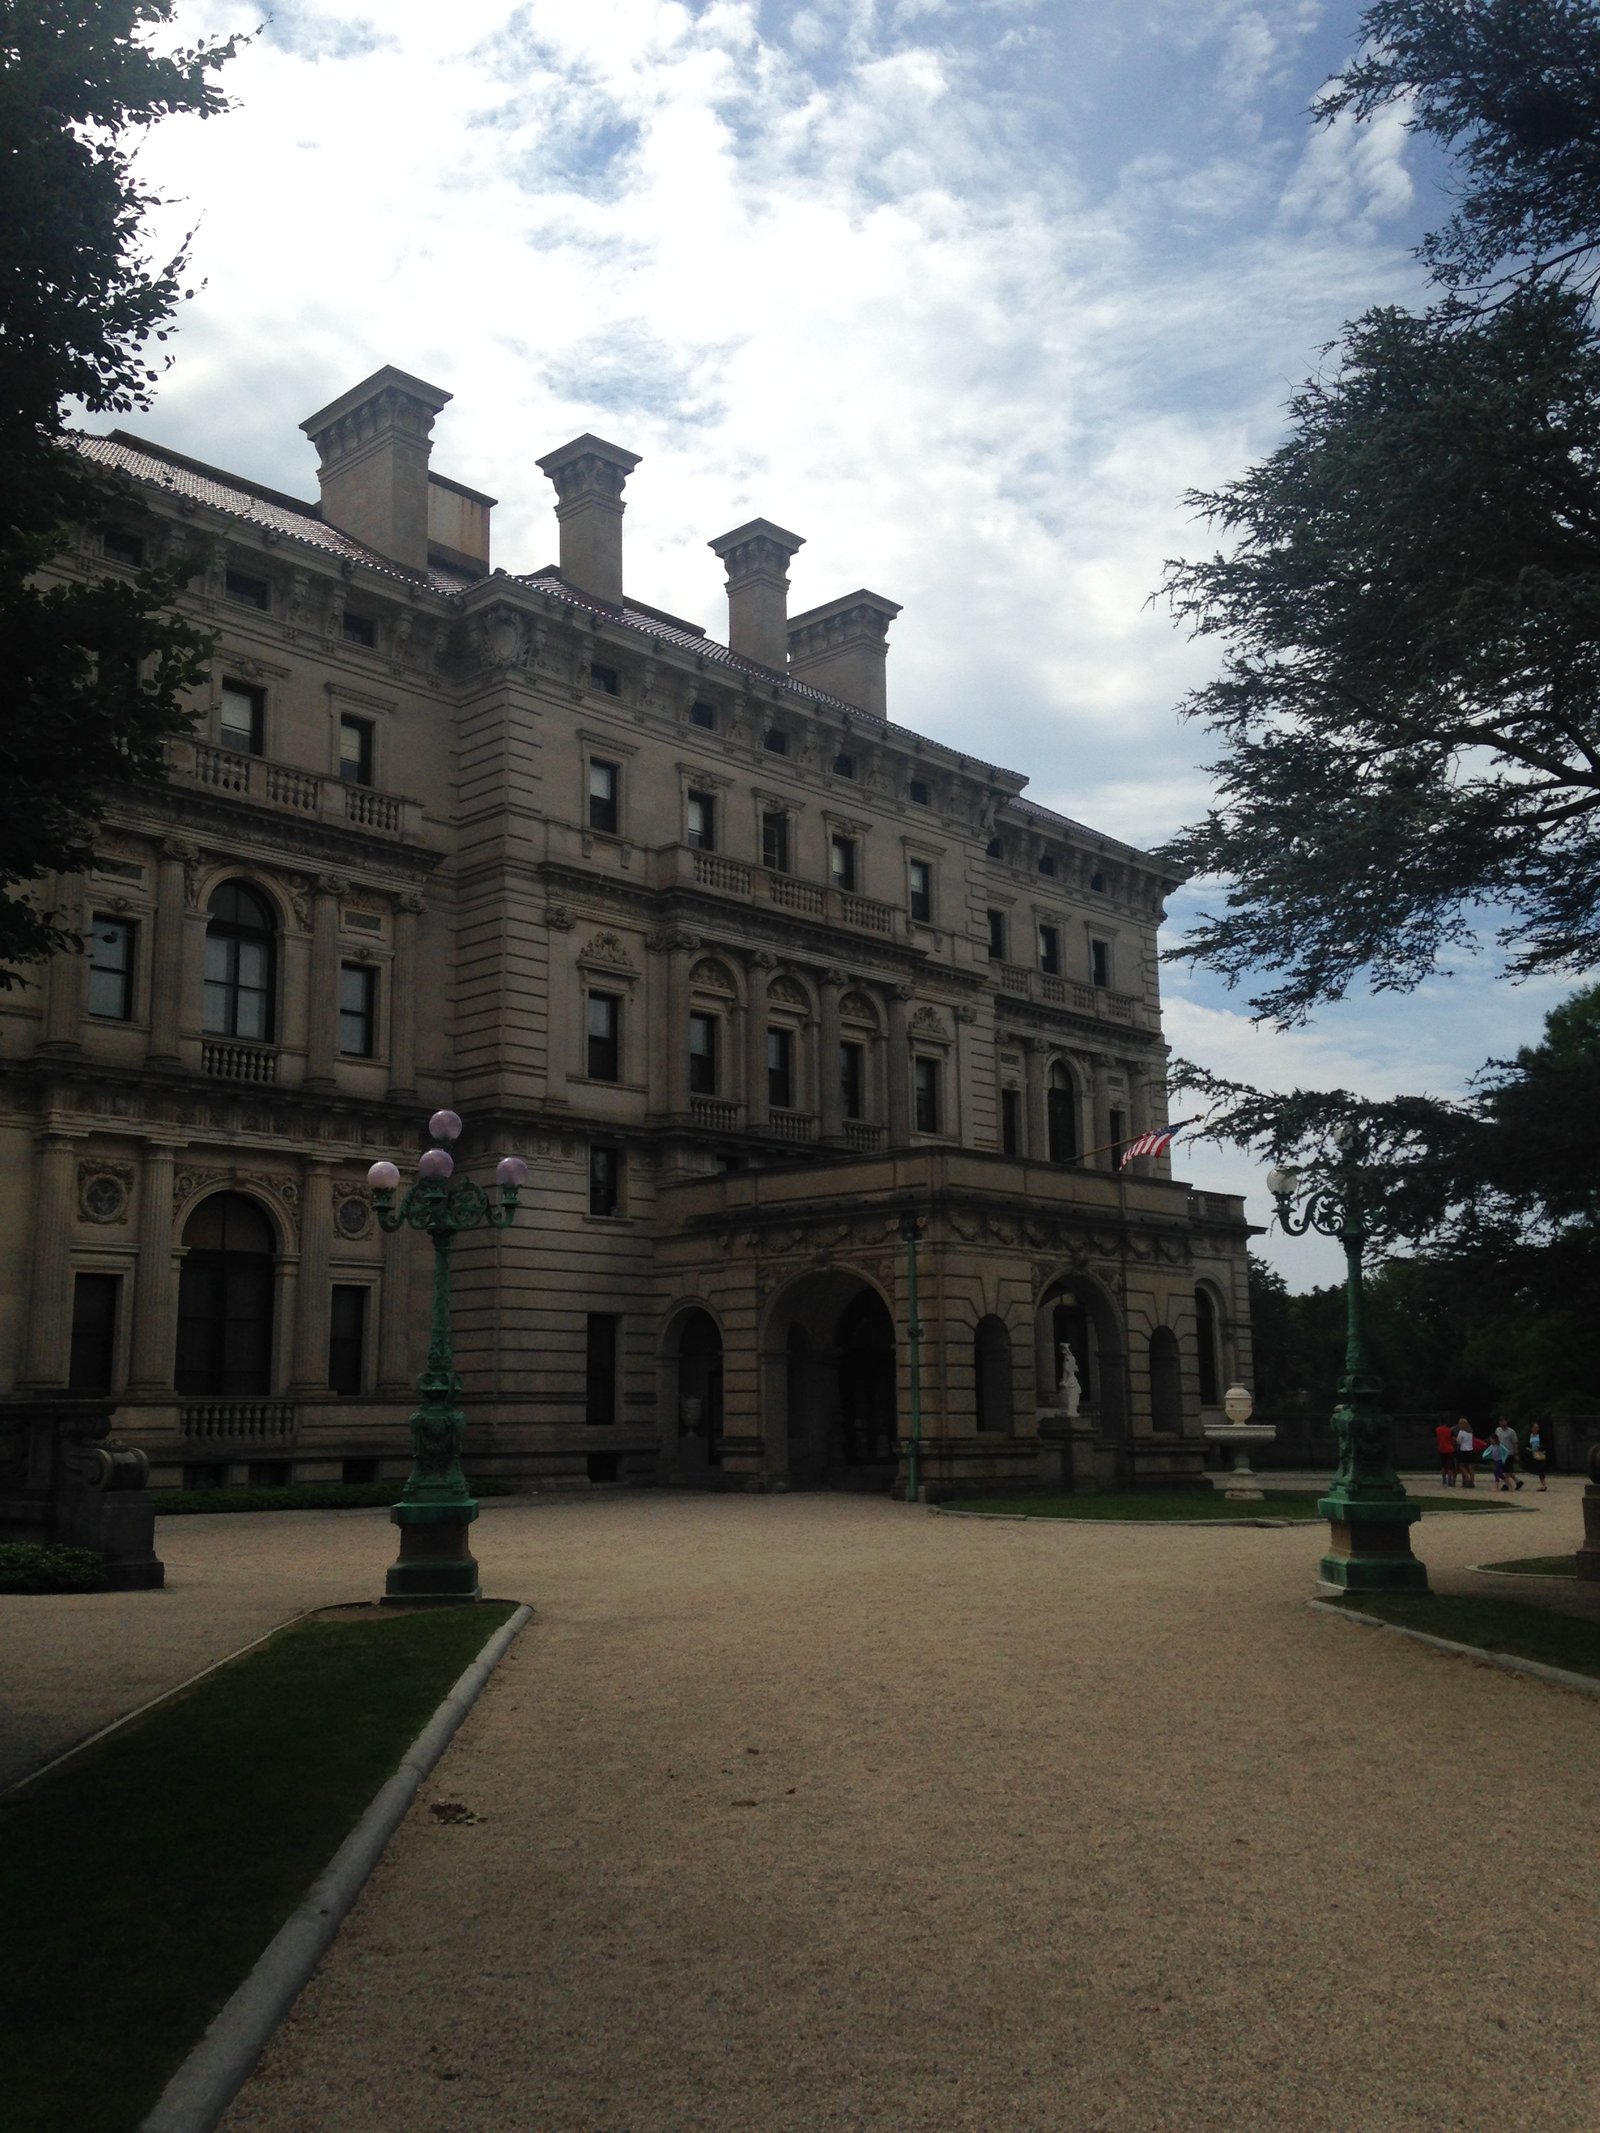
{"x": 1461, "y": 1450}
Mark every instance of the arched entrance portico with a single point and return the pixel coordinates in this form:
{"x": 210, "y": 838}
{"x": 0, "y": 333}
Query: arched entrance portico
{"x": 829, "y": 1407}
{"x": 692, "y": 1392}
{"x": 1075, "y": 1309}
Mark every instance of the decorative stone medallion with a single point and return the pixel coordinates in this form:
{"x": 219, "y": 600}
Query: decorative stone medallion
{"x": 103, "y": 1192}
{"x": 352, "y": 1216}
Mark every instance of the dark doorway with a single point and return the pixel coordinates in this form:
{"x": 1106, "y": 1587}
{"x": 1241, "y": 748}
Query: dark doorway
{"x": 700, "y": 1386}
{"x": 1166, "y": 1383}
{"x": 94, "y": 1333}
{"x": 991, "y": 1372}
{"x": 865, "y": 1342}
{"x": 225, "y": 1299}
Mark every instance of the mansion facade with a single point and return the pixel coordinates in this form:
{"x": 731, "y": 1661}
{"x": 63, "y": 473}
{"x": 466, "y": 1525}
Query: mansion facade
{"x": 787, "y": 1007}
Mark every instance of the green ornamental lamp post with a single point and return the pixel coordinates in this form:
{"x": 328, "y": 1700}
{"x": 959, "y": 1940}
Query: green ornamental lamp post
{"x": 1369, "y": 1513}
{"x": 435, "y": 1566}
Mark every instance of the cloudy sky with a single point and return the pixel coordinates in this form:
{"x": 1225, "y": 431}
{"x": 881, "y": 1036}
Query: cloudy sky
{"x": 968, "y": 292}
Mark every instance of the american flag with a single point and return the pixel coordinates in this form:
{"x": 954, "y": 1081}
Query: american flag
{"x": 1156, "y": 1142}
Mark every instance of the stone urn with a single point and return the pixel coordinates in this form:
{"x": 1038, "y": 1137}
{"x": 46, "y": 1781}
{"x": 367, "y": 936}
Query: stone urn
{"x": 1236, "y": 1436}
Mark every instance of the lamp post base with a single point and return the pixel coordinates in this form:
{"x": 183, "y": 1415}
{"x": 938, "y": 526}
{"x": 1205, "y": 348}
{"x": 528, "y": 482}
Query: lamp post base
{"x": 435, "y": 1566}
{"x": 1370, "y": 1547}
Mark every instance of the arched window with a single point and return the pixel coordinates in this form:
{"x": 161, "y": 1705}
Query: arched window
{"x": 1061, "y": 1107}
{"x": 225, "y": 1299}
{"x": 241, "y": 964}
{"x": 1166, "y": 1383}
{"x": 991, "y": 1369}
{"x": 1205, "y": 1327}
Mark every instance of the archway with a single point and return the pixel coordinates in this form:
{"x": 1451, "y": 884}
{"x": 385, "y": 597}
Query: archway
{"x": 225, "y": 1299}
{"x": 991, "y": 1374}
{"x": 694, "y": 1402}
{"x": 830, "y": 1412}
{"x": 1076, "y": 1311}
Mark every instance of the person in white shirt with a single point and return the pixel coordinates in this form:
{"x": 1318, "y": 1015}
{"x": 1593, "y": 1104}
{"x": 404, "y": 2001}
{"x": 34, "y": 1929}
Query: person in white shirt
{"x": 1506, "y": 1437}
{"x": 1464, "y": 1451}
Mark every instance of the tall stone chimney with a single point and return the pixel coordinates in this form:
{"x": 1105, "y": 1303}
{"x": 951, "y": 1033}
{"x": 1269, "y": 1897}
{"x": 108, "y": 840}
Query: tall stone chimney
{"x": 589, "y": 474}
{"x": 373, "y": 444}
{"x": 756, "y": 558}
{"x": 842, "y": 647}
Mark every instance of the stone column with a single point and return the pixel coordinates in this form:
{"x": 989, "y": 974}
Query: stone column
{"x": 404, "y": 980}
{"x": 166, "y": 964}
{"x": 830, "y": 1091}
{"x": 394, "y": 1324}
{"x": 680, "y": 957}
{"x": 67, "y": 986}
{"x": 1102, "y": 1117}
{"x": 49, "y": 1335}
{"x": 155, "y": 1319}
{"x": 900, "y": 999}
{"x": 312, "y": 1291}
{"x": 755, "y": 1045}
{"x": 322, "y": 1013}
{"x": 1036, "y": 1140}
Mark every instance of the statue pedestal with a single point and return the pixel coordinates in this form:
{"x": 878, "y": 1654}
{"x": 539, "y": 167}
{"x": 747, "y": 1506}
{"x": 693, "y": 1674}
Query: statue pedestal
{"x": 435, "y": 1566}
{"x": 1240, "y": 1485}
{"x": 1369, "y": 1546}
{"x": 1587, "y": 1559}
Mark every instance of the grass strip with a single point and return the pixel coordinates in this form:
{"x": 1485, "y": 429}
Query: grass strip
{"x": 139, "y": 1883}
{"x": 300, "y": 1496}
{"x": 1141, "y": 1505}
{"x": 1534, "y": 1566}
{"x": 1522, "y": 1629}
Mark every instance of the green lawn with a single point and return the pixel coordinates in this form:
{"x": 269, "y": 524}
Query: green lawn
{"x": 300, "y": 1496}
{"x": 1535, "y": 1566}
{"x": 1519, "y": 1627}
{"x": 1298, "y": 1505}
{"x": 140, "y": 1882}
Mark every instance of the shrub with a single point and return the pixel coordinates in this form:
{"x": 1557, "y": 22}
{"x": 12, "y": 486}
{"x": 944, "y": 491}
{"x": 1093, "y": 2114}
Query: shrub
{"x": 40, "y": 1566}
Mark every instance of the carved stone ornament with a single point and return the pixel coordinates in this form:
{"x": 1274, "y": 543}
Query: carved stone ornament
{"x": 298, "y": 891}
{"x": 558, "y": 918}
{"x": 352, "y": 1213}
{"x": 103, "y": 1190}
{"x": 411, "y": 900}
{"x": 858, "y": 1007}
{"x": 927, "y": 1023}
{"x": 191, "y": 1185}
{"x": 711, "y": 975}
{"x": 331, "y": 885}
{"x": 607, "y": 950}
{"x": 671, "y": 938}
{"x": 965, "y": 1013}
{"x": 784, "y": 992}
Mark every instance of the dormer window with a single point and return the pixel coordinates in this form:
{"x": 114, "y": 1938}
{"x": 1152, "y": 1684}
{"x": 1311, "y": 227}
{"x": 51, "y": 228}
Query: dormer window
{"x": 844, "y": 766}
{"x": 360, "y": 629}
{"x": 918, "y": 791}
{"x": 606, "y": 679}
{"x": 1047, "y": 864}
{"x": 703, "y": 715}
{"x": 118, "y": 546}
{"x": 1097, "y": 882}
{"x": 775, "y": 741}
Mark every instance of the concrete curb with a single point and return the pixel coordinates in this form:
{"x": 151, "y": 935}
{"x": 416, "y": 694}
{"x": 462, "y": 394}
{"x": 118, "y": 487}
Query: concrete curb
{"x": 1025, "y": 1518}
{"x": 1507, "y": 1662}
{"x": 194, "y": 2100}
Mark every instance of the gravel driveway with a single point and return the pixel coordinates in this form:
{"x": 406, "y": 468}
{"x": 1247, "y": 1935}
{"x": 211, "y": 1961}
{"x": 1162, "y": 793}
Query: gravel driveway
{"x": 812, "y": 1812}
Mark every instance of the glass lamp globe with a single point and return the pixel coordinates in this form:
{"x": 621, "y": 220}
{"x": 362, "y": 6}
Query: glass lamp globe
{"x": 445, "y": 1126}
{"x": 383, "y": 1177}
{"x": 436, "y": 1163}
{"x": 1280, "y": 1183}
{"x": 511, "y": 1170}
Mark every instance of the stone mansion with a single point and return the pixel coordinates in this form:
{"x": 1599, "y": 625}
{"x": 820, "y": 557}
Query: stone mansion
{"x": 779, "y": 999}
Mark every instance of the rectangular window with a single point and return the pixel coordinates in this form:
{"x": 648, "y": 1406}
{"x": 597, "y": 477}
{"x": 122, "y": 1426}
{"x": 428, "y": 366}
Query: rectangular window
{"x": 248, "y": 590}
{"x": 1117, "y": 1128}
{"x": 917, "y": 790}
{"x": 1050, "y": 951}
{"x": 701, "y": 811}
{"x": 925, "y": 1085}
{"x": 360, "y": 629}
{"x": 997, "y": 936}
{"x": 780, "y": 1069}
{"x": 842, "y": 862}
{"x": 1100, "y": 962}
{"x": 605, "y": 1037}
{"x": 605, "y": 1180}
{"x": 703, "y": 715}
{"x": 702, "y": 1055}
{"x": 600, "y": 1369}
{"x": 920, "y": 873}
{"x": 844, "y": 766}
{"x": 242, "y": 722}
{"x": 605, "y": 786}
{"x": 355, "y": 750}
{"x": 852, "y": 1079}
{"x": 606, "y": 679}
{"x": 347, "y": 1338}
{"x": 122, "y": 547}
{"x": 94, "y": 1333}
{"x": 775, "y": 841}
{"x": 111, "y": 949}
{"x": 1010, "y": 1121}
{"x": 358, "y": 1005}
{"x": 775, "y": 741}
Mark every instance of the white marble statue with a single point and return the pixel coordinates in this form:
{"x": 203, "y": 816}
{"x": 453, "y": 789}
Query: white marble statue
{"x": 1071, "y": 1390}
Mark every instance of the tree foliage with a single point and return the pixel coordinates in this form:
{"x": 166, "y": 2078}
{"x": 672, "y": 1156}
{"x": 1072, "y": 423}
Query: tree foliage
{"x": 95, "y": 671}
{"x": 1409, "y": 604}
